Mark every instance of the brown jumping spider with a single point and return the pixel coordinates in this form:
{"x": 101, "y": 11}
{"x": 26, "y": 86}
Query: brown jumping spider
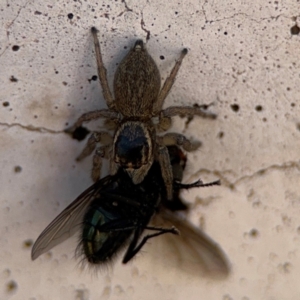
{"x": 138, "y": 100}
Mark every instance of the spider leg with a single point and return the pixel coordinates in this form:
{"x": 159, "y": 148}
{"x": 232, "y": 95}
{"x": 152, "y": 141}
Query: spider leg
{"x": 102, "y": 71}
{"x": 187, "y": 111}
{"x": 97, "y": 161}
{"x": 93, "y": 115}
{"x": 96, "y": 137}
{"x": 170, "y": 139}
{"x": 166, "y": 170}
{"x": 169, "y": 83}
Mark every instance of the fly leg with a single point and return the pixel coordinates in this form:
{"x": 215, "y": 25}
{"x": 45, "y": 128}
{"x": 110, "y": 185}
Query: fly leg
{"x": 134, "y": 247}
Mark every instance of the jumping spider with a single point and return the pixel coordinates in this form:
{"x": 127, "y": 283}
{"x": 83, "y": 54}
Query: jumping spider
{"x": 138, "y": 100}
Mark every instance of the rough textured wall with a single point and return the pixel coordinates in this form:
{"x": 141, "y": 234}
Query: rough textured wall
{"x": 243, "y": 58}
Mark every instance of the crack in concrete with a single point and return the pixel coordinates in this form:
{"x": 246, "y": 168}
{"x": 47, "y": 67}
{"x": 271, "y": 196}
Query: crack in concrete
{"x": 10, "y": 24}
{"x": 31, "y": 128}
{"x": 126, "y": 6}
{"x": 284, "y": 166}
{"x": 18, "y": 14}
{"x": 143, "y": 26}
{"x": 231, "y": 185}
{"x": 127, "y": 9}
{"x": 4, "y": 50}
{"x": 238, "y": 14}
{"x": 241, "y": 14}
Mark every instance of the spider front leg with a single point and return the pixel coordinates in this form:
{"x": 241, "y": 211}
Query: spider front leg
{"x": 169, "y": 83}
{"x": 93, "y": 115}
{"x": 100, "y": 152}
{"x": 166, "y": 169}
{"x": 164, "y": 117}
{"x": 164, "y": 123}
{"x": 103, "y": 113}
{"x": 171, "y": 139}
{"x": 96, "y": 137}
{"x": 102, "y": 71}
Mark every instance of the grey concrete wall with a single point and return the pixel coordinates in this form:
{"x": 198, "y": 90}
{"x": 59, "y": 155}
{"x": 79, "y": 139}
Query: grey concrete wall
{"x": 243, "y": 58}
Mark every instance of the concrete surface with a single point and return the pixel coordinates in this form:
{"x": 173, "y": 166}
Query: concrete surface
{"x": 243, "y": 57}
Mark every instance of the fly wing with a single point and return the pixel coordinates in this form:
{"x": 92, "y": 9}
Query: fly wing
{"x": 68, "y": 221}
{"x": 192, "y": 251}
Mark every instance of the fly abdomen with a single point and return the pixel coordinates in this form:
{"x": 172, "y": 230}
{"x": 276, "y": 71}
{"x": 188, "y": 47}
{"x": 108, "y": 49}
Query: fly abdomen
{"x": 100, "y": 246}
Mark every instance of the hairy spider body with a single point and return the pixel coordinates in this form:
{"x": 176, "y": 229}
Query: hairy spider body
{"x": 138, "y": 99}
{"x": 137, "y": 84}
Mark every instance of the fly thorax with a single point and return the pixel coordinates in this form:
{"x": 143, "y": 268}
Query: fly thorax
{"x": 133, "y": 146}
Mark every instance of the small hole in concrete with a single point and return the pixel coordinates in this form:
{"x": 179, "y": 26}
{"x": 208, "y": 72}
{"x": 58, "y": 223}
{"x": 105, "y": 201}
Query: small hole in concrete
{"x": 70, "y": 16}
{"x": 254, "y": 233}
{"x": 258, "y": 108}
{"x": 80, "y": 133}
{"x": 220, "y": 134}
{"x": 11, "y": 286}
{"x": 295, "y": 30}
{"x": 235, "y": 107}
{"x": 15, "y": 48}
{"x": 18, "y": 169}
{"x": 27, "y": 243}
{"x": 13, "y": 79}
{"x": 93, "y": 78}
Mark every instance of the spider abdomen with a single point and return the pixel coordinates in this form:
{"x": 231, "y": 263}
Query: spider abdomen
{"x": 136, "y": 83}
